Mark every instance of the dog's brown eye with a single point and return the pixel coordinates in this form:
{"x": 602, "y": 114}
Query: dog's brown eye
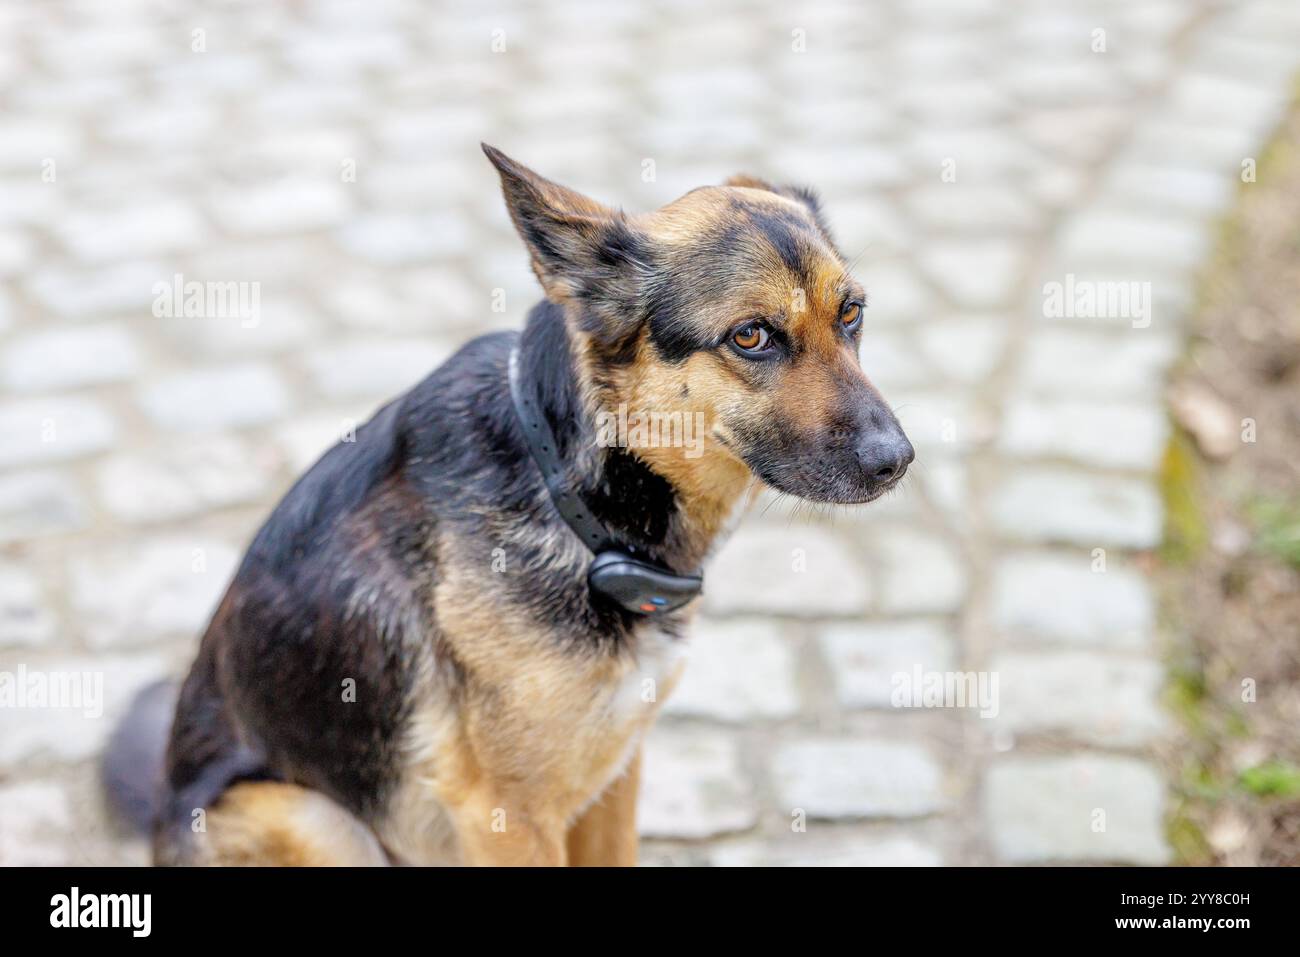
{"x": 851, "y": 314}
{"x": 751, "y": 338}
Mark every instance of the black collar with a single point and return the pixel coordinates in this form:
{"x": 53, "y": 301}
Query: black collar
{"x": 640, "y": 585}
{"x": 545, "y": 452}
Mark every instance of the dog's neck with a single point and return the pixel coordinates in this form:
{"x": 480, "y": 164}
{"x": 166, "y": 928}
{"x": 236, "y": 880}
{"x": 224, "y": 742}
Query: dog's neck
{"x": 674, "y": 521}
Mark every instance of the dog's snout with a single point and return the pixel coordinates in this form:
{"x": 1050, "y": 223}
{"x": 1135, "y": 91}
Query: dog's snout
{"x": 885, "y": 456}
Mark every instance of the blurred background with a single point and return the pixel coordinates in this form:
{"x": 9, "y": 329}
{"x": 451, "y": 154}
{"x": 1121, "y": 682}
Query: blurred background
{"x": 1119, "y": 557}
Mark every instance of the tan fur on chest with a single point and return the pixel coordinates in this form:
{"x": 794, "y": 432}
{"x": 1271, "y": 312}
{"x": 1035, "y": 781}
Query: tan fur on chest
{"x": 525, "y": 735}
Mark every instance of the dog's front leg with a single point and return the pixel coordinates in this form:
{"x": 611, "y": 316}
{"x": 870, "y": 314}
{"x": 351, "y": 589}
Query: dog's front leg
{"x": 605, "y": 834}
{"x": 493, "y": 834}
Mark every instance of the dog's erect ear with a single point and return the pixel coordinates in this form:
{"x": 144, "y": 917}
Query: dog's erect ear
{"x": 579, "y": 248}
{"x": 800, "y": 194}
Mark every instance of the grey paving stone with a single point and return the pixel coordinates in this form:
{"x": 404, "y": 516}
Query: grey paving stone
{"x": 737, "y": 671}
{"x": 288, "y": 206}
{"x": 295, "y": 99}
{"x": 1057, "y": 597}
{"x": 1157, "y": 21}
{"x": 16, "y": 252}
{"x": 692, "y": 786}
{"x": 368, "y": 369}
{"x": 1079, "y": 135}
{"x": 1093, "y": 432}
{"x": 419, "y": 183}
{"x": 305, "y": 439}
{"x": 1050, "y": 504}
{"x": 97, "y": 690}
{"x": 1122, "y": 299}
{"x": 165, "y": 125}
{"x": 975, "y": 154}
{"x": 1135, "y": 240}
{"x": 945, "y": 53}
{"x": 150, "y": 589}
{"x": 346, "y": 51}
{"x": 964, "y": 349}
{"x": 133, "y": 231}
{"x": 128, "y": 45}
{"x": 1086, "y": 808}
{"x": 867, "y": 223}
{"x": 946, "y": 483}
{"x": 37, "y": 503}
{"x": 962, "y": 15}
{"x": 371, "y": 306}
{"x": 26, "y": 141}
{"x": 852, "y": 778}
{"x": 279, "y": 263}
{"x": 427, "y": 300}
{"x": 865, "y": 658}
{"x": 895, "y": 293}
{"x": 890, "y": 362}
{"x": 1049, "y": 28}
{"x": 402, "y": 239}
{"x": 215, "y": 398}
{"x": 35, "y": 816}
{"x": 1057, "y": 81}
{"x": 1266, "y": 61}
{"x": 1218, "y": 98}
{"x": 79, "y": 294}
{"x": 855, "y": 166}
{"x": 975, "y": 275}
{"x": 28, "y": 201}
{"x": 69, "y": 358}
{"x": 265, "y": 326}
{"x": 830, "y": 847}
{"x": 941, "y": 425}
{"x": 26, "y": 618}
{"x": 456, "y": 301}
{"x": 975, "y": 208}
{"x": 1275, "y": 20}
{"x": 45, "y": 430}
{"x": 1087, "y": 696}
{"x": 1075, "y": 363}
{"x": 1188, "y": 191}
{"x": 797, "y": 570}
{"x": 1217, "y": 147}
{"x": 185, "y": 478}
{"x": 919, "y": 573}
{"x": 936, "y": 101}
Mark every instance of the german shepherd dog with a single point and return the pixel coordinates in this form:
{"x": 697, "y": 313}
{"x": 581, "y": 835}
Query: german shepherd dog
{"x": 413, "y": 664}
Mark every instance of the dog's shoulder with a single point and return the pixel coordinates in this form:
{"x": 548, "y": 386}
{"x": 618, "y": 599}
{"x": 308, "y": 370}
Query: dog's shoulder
{"x": 332, "y": 602}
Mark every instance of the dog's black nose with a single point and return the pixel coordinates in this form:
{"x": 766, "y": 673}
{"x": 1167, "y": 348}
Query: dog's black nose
{"x": 885, "y": 457}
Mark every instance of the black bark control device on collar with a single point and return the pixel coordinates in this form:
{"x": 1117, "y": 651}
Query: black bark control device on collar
{"x": 641, "y": 586}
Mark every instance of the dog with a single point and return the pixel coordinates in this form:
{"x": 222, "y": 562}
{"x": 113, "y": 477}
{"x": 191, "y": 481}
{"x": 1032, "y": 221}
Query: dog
{"x": 451, "y": 636}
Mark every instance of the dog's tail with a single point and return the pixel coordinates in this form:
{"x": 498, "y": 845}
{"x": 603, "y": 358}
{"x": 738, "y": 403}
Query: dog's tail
{"x": 132, "y": 769}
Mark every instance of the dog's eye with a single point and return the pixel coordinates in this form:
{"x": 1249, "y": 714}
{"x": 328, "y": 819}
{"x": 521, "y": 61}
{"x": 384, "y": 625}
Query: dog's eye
{"x": 851, "y": 315}
{"x": 752, "y": 338}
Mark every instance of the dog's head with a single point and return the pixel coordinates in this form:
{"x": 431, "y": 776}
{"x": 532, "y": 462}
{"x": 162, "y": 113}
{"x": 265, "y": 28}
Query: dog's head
{"x": 730, "y": 307}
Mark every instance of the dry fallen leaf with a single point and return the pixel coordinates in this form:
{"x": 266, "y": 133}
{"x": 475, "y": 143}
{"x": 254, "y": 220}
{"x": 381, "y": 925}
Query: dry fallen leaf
{"x": 1209, "y": 420}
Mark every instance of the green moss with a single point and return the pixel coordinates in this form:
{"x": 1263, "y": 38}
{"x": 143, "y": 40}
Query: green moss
{"x": 1185, "y": 697}
{"x": 1236, "y": 725}
{"x": 1206, "y": 778}
{"x": 1272, "y": 779}
{"x": 1188, "y": 841}
{"x": 1199, "y": 781}
{"x": 1277, "y": 529}
{"x": 1186, "y": 532}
